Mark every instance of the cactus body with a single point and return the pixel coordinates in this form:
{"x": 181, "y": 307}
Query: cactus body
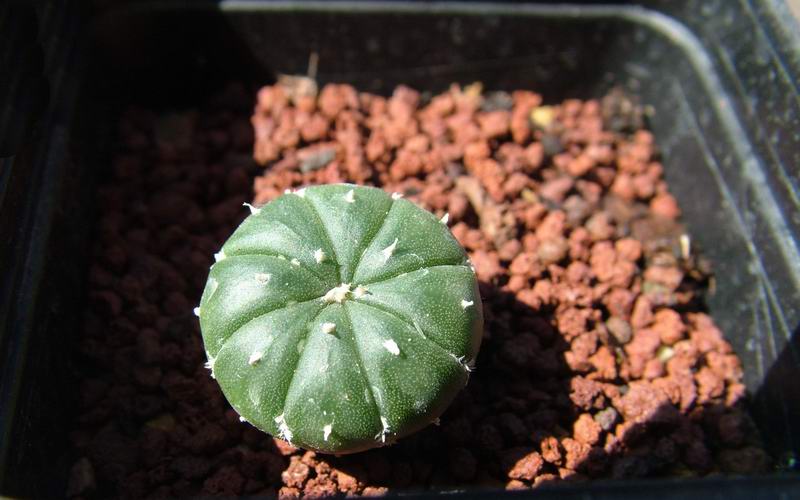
{"x": 340, "y": 318}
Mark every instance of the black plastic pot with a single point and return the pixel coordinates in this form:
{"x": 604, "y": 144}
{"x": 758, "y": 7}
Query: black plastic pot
{"x": 721, "y": 79}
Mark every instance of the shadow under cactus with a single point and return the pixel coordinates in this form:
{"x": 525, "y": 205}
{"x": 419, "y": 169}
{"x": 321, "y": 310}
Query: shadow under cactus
{"x": 523, "y": 419}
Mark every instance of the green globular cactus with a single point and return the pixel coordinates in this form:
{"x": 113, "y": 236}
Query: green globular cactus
{"x": 340, "y": 318}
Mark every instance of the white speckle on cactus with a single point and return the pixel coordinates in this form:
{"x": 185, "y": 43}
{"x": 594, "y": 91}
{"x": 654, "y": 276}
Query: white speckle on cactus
{"x": 381, "y": 436}
{"x": 288, "y": 191}
{"x": 326, "y": 431}
{"x": 255, "y": 358}
{"x": 360, "y": 291}
{"x": 388, "y": 251}
{"x": 300, "y": 346}
{"x": 282, "y": 257}
{"x": 253, "y": 210}
{"x": 323, "y": 368}
{"x": 466, "y": 303}
{"x": 263, "y": 278}
{"x": 397, "y": 196}
{"x": 294, "y": 262}
{"x": 210, "y": 364}
{"x": 283, "y": 429}
{"x": 328, "y": 327}
{"x": 301, "y": 192}
{"x": 337, "y": 294}
{"x": 319, "y": 255}
{"x": 242, "y": 419}
{"x": 350, "y": 197}
{"x": 219, "y": 256}
{"x": 391, "y": 346}
{"x": 437, "y": 422}
{"x": 197, "y": 311}
{"x": 445, "y": 218}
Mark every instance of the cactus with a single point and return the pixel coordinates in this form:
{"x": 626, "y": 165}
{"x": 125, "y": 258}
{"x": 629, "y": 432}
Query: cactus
{"x": 340, "y": 318}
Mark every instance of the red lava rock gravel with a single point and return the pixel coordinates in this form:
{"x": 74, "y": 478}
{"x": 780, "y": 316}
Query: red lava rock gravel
{"x": 598, "y": 360}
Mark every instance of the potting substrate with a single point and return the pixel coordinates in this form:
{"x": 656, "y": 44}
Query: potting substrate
{"x": 599, "y": 359}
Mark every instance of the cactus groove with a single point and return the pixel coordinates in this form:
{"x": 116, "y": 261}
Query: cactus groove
{"x": 341, "y": 318}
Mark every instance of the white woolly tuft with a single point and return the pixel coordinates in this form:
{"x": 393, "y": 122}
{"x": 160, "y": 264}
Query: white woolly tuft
{"x": 326, "y": 431}
{"x": 391, "y": 346}
{"x": 385, "y": 431}
{"x": 255, "y": 358}
{"x": 253, "y": 210}
{"x": 283, "y": 429}
{"x": 337, "y": 294}
{"x": 389, "y": 251}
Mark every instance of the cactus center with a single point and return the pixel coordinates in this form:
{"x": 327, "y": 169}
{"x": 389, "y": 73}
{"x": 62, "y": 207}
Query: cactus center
{"x": 338, "y": 293}
{"x": 343, "y": 291}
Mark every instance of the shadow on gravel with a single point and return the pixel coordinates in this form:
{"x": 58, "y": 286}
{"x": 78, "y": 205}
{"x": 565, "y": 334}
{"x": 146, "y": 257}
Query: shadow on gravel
{"x": 526, "y": 417}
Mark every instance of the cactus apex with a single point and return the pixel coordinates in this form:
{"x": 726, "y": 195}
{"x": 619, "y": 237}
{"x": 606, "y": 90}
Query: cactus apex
{"x": 255, "y": 358}
{"x": 328, "y": 327}
{"x": 391, "y": 346}
{"x": 253, "y": 210}
{"x": 388, "y": 251}
{"x": 319, "y": 255}
{"x": 326, "y": 431}
{"x": 350, "y": 196}
{"x": 337, "y": 294}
